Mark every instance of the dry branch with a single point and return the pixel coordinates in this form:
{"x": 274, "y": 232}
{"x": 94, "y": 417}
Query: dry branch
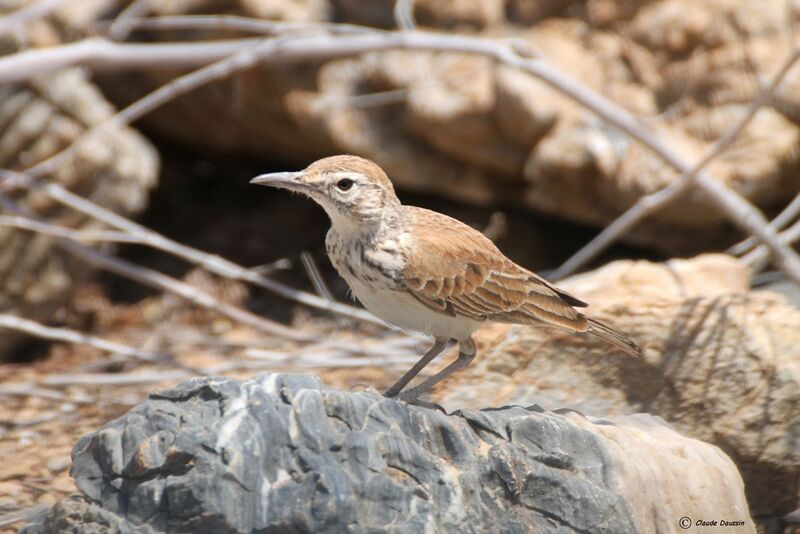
{"x": 162, "y": 282}
{"x": 36, "y": 10}
{"x": 787, "y": 215}
{"x": 210, "y": 262}
{"x": 101, "y": 236}
{"x": 403, "y": 13}
{"x": 241, "y": 24}
{"x": 122, "y": 25}
{"x": 114, "y": 379}
{"x": 724, "y": 197}
{"x": 99, "y": 54}
{"x": 314, "y": 274}
{"x": 758, "y": 258}
{"x": 33, "y": 328}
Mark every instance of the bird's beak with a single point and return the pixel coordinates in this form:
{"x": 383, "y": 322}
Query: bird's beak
{"x": 283, "y": 180}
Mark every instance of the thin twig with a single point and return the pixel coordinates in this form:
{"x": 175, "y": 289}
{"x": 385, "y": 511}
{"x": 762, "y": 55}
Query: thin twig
{"x": 241, "y": 24}
{"x": 123, "y": 25}
{"x": 155, "y": 279}
{"x": 653, "y": 202}
{"x": 212, "y": 262}
{"x": 404, "y": 14}
{"x": 101, "y": 236}
{"x": 33, "y": 328}
{"x": 281, "y": 264}
{"x": 113, "y": 379}
{"x": 26, "y": 514}
{"x": 315, "y": 276}
{"x": 97, "y": 53}
{"x": 20, "y": 17}
{"x": 27, "y": 389}
{"x": 778, "y": 223}
{"x": 758, "y": 258}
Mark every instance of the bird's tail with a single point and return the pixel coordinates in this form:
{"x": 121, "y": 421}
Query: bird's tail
{"x": 611, "y": 336}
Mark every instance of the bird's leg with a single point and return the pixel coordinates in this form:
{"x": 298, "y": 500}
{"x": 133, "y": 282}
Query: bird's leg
{"x": 466, "y": 352}
{"x": 438, "y": 346}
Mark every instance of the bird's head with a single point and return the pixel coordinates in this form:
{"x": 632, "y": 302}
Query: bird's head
{"x": 355, "y": 192}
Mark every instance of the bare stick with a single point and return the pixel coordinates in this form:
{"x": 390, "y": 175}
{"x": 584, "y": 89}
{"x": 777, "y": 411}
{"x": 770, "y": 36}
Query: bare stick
{"x": 758, "y": 258}
{"x": 282, "y": 264}
{"x": 100, "y": 53}
{"x": 122, "y": 25}
{"x": 212, "y": 262}
{"x": 315, "y": 276}
{"x": 26, "y": 389}
{"x": 242, "y": 24}
{"x": 33, "y": 328}
{"x": 162, "y": 282}
{"x": 113, "y": 379}
{"x": 302, "y": 47}
{"x": 26, "y": 514}
{"x": 779, "y": 223}
{"x": 22, "y": 16}
{"x": 104, "y": 236}
{"x": 404, "y": 14}
{"x": 653, "y": 202}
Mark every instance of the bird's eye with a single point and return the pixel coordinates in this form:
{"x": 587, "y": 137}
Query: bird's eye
{"x": 345, "y": 184}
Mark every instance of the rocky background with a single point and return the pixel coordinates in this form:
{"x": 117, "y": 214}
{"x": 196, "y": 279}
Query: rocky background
{"x": 486, "y": 143}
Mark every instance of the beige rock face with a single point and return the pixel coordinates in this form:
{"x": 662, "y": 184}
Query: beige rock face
{"x": 476, "y": 132}
{"x": 650, "y": 461}
{"x": 721, "y": 364}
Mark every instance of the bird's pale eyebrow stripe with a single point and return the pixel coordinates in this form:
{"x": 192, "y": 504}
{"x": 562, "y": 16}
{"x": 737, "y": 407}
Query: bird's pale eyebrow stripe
{"x": 355, "y": 176}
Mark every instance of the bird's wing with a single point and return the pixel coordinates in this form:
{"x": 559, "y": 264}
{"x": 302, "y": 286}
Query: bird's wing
{"x": 456, "y": 270}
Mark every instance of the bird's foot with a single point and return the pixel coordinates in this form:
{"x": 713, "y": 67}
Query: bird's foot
{"x": 415, "y": 401}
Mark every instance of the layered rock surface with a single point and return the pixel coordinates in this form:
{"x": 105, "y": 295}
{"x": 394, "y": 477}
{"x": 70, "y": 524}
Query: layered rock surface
{"x": 721, "y": 364}
{"x": 280, "y": 453}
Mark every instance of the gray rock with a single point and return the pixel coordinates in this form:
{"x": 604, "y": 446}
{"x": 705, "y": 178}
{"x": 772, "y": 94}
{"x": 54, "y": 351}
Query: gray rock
{"x": 721, "y": 364}
{"x": 279, "y": 453}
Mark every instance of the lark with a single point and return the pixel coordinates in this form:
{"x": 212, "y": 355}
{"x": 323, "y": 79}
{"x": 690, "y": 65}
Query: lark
{"x": 424, "y": 271}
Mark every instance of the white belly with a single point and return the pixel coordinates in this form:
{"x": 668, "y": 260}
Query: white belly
{"x": 379, "y": 291}
{"x": 406, "y": 312}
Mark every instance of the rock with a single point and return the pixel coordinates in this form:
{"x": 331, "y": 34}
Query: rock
{"x": 721, "y": 364}
{"x": 707, "y": 275}
{"x": 460, "y": 14}
{"x": 680, "y": 27}
{"x": 280, "y": 453}
{"x": 506, "y": 138}
{"x": 39, "y": 119}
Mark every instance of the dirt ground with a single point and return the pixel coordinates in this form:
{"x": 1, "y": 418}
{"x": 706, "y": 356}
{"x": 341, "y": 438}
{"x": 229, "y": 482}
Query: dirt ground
{"x": 52, "y": 394}
{"x": 50, "y": 403}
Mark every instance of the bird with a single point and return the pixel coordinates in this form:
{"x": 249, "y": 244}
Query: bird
{"x": 424, "y": 271}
